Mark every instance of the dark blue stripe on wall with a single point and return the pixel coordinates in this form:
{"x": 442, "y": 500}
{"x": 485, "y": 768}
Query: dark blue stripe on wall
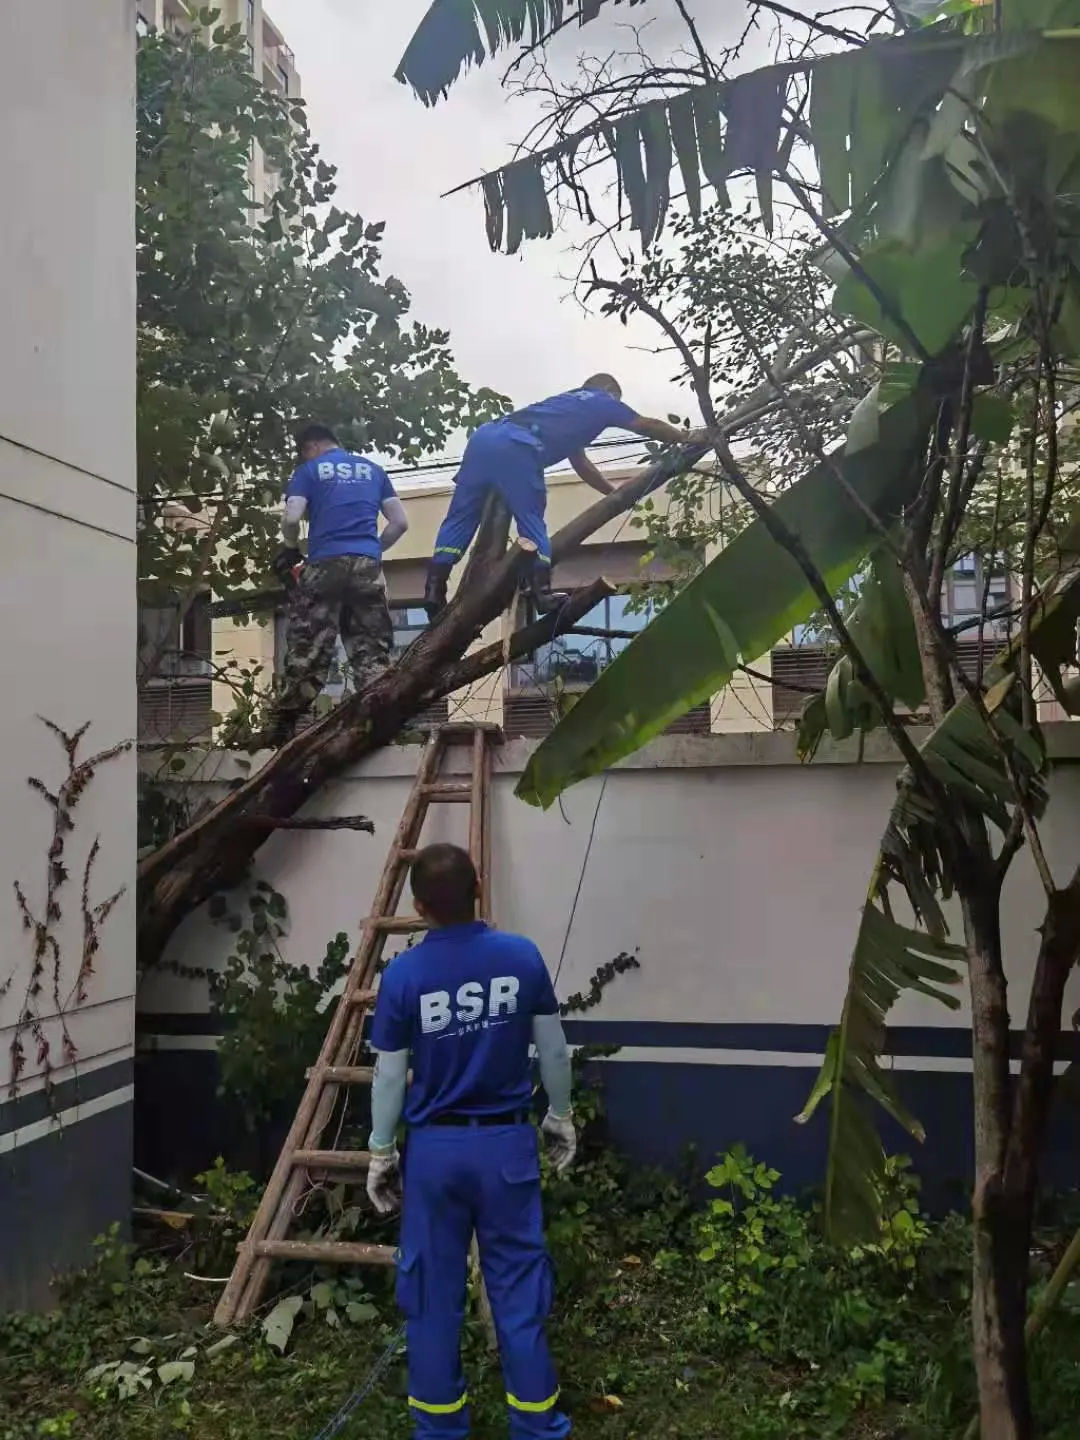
{"x": 932, "y": 1041}
{"x": 928, "y": 1041}
{"x": 76, "y": 1090}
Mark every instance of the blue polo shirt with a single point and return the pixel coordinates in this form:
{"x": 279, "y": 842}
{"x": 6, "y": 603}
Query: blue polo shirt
{"x": 345, "y": 494}
{"x": 462, "y": 1003}
{"x": 566, "y": 424}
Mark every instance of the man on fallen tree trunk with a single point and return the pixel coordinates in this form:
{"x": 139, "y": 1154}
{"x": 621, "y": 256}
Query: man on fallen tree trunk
{"x": 341, "y": 589}
{"x": 509, "y": 456}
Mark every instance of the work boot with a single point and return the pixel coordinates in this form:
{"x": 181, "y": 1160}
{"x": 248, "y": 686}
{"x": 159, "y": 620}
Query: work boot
{"x": 544, "y": 599}
{"x": 438, "y": 577}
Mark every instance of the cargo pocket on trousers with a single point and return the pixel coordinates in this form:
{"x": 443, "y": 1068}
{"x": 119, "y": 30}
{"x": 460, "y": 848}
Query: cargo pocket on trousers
{"x": 408, "y": 1286}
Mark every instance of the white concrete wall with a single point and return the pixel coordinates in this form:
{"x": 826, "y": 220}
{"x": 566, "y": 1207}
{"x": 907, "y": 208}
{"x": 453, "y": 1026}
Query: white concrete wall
{"x": 736, "y": 873}
{"x": 67, "y": 518}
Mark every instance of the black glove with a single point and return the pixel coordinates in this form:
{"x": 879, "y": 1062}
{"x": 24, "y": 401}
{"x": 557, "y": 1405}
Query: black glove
{"x": 285, "y": 564}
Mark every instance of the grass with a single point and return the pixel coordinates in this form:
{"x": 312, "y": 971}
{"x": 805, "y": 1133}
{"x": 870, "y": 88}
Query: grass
{"x": 775, "y": 1336}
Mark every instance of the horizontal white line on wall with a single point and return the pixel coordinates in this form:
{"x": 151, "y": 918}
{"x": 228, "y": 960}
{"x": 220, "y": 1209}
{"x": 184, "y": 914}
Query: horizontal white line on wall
{"x": 56, "y": 1124}
{"x": 792, "y": 1059}
{"x": 653, "y": 1055}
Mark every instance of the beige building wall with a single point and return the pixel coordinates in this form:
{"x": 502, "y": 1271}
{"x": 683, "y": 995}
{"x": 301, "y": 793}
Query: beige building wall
{"x": 67, "y": 588}
{"x": 253, "y": 643}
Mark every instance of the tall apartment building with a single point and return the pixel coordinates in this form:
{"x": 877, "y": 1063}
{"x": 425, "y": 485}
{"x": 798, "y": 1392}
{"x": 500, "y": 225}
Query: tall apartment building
{"x": 177, "y": 700}
{"x": 271, "y": 59}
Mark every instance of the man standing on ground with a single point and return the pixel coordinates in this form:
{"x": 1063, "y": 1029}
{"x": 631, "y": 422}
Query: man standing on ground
{"x": 341, "y": 589}
{"x": 462, "y": 1008}
{"x": 511, "y": 455}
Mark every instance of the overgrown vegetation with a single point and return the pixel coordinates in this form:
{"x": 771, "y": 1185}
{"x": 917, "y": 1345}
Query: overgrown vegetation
{"x": 679, "y": 1315}
{"x": 923, "y": 158}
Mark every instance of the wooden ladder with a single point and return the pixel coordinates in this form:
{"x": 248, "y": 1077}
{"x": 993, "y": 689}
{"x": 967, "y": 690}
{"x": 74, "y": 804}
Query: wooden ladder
{"x": 301, "y": 1161}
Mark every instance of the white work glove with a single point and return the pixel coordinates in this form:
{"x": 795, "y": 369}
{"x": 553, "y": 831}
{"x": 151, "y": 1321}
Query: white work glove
{"x": 561, "y": 1140}
{"x": 384, "y": 1181}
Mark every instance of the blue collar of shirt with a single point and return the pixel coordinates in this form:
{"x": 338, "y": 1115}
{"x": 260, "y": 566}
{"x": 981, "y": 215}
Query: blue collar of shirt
{"x": 457, "y": 932}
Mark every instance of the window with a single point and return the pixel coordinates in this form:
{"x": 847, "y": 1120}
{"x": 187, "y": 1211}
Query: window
{"x": 578, "y": 657}
{"x": 283, "y": 76}
{"x": 408, "y": 624}
{"x": 251, "y": 54}
{"x": 251, "y": 14}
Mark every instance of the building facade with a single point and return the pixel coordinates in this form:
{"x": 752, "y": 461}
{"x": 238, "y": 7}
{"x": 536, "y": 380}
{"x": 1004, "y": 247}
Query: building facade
{"x": 67, "y": 497}
{"x": 271, "y": 58}
{"x": 525, "y": 698}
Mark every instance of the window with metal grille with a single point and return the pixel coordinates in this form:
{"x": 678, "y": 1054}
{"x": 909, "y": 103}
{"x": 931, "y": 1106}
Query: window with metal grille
{"x": 542, "y": 687}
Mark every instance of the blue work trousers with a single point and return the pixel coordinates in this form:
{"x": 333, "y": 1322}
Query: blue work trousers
{"x": 506, "y": 458}
{"x": 484, "y": 1179}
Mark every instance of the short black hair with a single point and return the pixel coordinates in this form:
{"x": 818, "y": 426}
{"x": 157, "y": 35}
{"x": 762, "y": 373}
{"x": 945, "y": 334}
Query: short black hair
{"x": 444, "y": 881}
{"x": 315, "y": 435}
{"x": 606, "y": 382}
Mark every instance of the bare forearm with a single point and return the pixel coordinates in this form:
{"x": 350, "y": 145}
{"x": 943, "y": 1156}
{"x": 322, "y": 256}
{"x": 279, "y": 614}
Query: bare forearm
{"x": 397, "y": 522}
{"x": 591, "y": 475}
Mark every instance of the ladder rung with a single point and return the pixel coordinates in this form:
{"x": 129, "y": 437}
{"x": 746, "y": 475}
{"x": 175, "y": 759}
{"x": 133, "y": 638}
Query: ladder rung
{"x": 408, "y": 856}
{"x": 332, "y": 1159}
{"x": 363, "y": 997}
{"x": 448, "y": 794}
{"x": 326, "y": 1252}
{"x": 399, "y": 924}
{"x": 344, "y": 1074}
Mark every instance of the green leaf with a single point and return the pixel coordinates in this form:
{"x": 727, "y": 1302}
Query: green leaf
{"x": 448, "y": 39}
{"x": 831, "y": 102}
{"x": 928, "y": 288}
{"x": 728, "y": 613}
{"x": 494, "y": 210}
{"x": 710, "y": 133}
{"x": 176, "y": 1370}
{"x": 657, "y": 141}
{"x": 992, "y": 417}
{"x": 631, "y": 171}
{"x": 528, "y": 214}
{"x": 278, "y": 1326}
{"x": 684, "y": 138}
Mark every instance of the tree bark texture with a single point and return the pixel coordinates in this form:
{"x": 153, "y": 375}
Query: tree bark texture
{"x": 1010, "y": 1123}
{"x": 214, "y": 852}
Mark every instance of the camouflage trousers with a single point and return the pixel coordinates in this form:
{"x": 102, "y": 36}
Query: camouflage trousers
{"x": 344, "y": 595}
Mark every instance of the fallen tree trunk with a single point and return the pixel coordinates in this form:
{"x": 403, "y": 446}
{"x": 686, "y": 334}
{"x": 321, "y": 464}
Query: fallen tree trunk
{"x": 213, "y": 853}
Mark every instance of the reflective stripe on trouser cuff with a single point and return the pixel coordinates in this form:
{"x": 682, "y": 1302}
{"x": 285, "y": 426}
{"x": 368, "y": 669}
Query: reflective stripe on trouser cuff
{"x": 451, "y": 1409}
{"x": 447, "y": 550}
{"x": 532, "y": 1407}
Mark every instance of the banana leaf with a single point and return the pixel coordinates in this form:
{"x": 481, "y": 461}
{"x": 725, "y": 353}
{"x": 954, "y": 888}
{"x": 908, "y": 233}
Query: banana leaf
{"x": 743, "y": 602}
{"x": 965, "y": 756}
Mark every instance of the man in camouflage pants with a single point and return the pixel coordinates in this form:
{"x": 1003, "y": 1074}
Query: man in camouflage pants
{"x": 341, "y": 588}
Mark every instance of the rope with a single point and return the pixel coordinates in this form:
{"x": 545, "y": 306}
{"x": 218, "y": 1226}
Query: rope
{"x": 581, "y": 877}
{"x": 378, "y": 1370}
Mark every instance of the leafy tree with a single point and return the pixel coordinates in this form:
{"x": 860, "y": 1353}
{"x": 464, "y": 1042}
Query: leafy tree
{"x": 255, "y": 313}
{"x": 934, "y": 170}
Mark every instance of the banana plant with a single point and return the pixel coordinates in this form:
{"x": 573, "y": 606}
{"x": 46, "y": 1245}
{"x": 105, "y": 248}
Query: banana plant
{"x": 743, "y": 602}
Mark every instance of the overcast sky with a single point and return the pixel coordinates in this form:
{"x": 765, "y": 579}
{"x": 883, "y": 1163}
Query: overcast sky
{"x": 512, "y": 320}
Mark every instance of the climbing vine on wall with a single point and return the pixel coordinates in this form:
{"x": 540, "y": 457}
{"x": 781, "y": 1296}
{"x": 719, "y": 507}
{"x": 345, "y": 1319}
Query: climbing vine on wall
{"x": 51, "y": 990}
{"x": 605, "y": 976}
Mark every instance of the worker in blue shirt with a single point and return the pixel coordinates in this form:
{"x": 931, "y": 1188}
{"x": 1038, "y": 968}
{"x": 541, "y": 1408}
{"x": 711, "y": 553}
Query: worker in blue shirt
{"x": 462, "y": 1009}
{"x": 341, "y": 589}
{"x": 511, "y": 455}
